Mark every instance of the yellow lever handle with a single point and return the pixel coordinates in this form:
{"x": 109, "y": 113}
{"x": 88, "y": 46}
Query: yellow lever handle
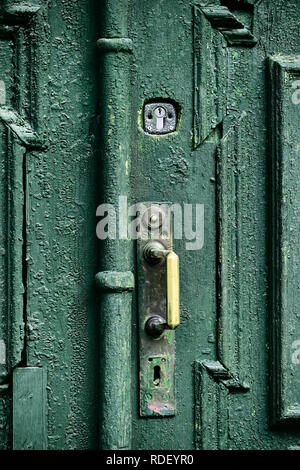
{"x": 173, "y": 312}
{"x": 153, "y": 251}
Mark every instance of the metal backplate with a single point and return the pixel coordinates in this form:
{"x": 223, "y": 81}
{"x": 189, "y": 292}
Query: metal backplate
{"x": 157, "y": 356}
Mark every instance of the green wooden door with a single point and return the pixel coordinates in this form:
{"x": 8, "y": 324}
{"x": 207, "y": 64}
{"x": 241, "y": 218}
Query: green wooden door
{"x": 76, "y": 80}
{"x": 230, "y": 68}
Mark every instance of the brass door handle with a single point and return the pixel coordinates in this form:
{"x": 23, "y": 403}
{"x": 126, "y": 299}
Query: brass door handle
{"x": 173, "y": 312}
{"x": 153, "y": 252}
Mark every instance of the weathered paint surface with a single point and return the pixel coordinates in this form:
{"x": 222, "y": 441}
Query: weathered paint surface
{"x": 52, "y": 179}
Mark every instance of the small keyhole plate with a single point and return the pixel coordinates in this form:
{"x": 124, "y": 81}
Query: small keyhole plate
{"x": 160, "y": 118}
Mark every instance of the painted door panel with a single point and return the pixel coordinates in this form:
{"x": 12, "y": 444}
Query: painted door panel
{"x": 48, "y": 245}
{"x": 235, "y": 369}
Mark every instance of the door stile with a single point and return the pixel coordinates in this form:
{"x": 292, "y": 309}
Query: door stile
{"x": 116, "y": 280}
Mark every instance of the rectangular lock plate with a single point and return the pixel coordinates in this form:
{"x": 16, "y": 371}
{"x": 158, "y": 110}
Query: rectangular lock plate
{"x": 160, "y": 118}
{"x": 157, "y": 355}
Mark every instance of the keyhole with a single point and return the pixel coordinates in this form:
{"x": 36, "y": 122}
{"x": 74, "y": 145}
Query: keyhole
{"x": 160, "y": 114}
{"x": 156, "y": 375}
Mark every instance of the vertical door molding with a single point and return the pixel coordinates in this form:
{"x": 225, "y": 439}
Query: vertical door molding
{"x": 285, "y": 147}
{"x": 18, "y": 115}
{"x": 216, "y": 29}
{"x": 115, "y": 280}
{"x": 20, "y": 134}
